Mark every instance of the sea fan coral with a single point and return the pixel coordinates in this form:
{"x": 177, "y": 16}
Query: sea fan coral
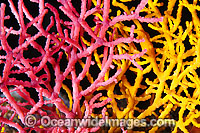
{"x": 87, "y": 59}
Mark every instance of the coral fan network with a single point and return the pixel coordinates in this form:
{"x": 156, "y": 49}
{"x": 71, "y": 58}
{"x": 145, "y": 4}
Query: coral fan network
{"x": 85, "y": 59}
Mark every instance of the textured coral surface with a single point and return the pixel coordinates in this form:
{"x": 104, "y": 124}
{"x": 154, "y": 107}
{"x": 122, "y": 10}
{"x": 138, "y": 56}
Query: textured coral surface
{"x": 96, "y": 58}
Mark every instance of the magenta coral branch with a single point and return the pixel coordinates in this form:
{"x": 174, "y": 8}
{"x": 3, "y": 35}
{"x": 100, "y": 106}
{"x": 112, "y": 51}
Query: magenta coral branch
{"x": 87, "y": 28}
{"x": 57, "y": 18}
{"x": 141, "y": 6}
{"x": 91, "y": 11}
{"x": 5, "y": 46}
{"x": 76, "y": 107}
{"x": 13, "y": 10}
{"x": 83, "y": 8}
{"x": 132, "y": 17}
{"x": 106, "y": 10}
{"x": 101, "y": 75}
{"x": 110, "y": 80}
{"x": 12, "y": 124}
{"x": 13, "y": 103}
{"x": 85, "y": 70}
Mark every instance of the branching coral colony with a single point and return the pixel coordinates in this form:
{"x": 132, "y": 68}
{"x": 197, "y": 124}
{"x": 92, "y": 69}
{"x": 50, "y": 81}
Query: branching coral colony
{"x": 88, "y": 58}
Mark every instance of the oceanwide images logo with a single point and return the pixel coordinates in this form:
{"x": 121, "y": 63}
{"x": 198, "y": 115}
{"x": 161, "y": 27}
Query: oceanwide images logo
{"x": 46, "y": 121}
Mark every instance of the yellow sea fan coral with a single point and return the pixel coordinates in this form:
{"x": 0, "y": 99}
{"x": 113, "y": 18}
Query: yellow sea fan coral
{"x": 168, "y": 87}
